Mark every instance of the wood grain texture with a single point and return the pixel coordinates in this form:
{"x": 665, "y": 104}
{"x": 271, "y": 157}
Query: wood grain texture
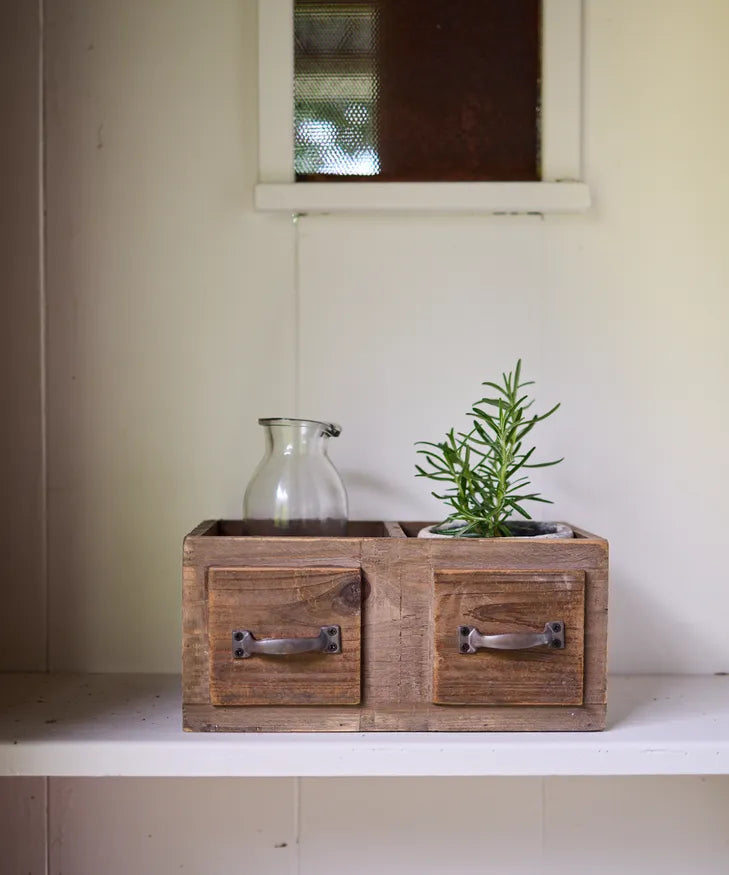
{"x": 195, "y": 647}
{"x": 284, "y": 603}
{"x": 426, "y": 717}
{"x": 497, "y": 602}
{"x": 225, "y": 550}
{"x": 398, "y": 643}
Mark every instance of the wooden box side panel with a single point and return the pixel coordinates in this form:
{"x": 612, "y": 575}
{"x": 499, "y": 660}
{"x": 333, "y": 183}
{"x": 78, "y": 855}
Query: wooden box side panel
{"x": 596, "y": 630}
{"x": 195, "y": 646}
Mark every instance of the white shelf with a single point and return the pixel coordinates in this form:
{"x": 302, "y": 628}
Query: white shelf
{"x": 91, "y": 725}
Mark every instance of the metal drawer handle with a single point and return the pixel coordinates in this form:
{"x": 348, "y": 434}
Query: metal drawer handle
{"x": 470, "y": 639}
{"x": 327, "y": 641}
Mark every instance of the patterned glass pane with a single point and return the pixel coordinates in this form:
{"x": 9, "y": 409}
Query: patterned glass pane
{"x": 335, "y": 89}
{"x": 409, "y": 90}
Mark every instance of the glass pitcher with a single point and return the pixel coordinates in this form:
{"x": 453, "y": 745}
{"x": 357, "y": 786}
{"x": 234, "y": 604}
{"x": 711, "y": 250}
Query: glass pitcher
{"x": 296, "y": 490}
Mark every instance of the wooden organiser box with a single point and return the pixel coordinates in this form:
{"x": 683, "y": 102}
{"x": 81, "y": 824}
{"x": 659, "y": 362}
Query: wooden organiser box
{"x": 392, "y": 624}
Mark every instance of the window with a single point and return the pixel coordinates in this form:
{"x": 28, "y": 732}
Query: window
{"x": 417, "y": 90}
{"x": 447, "y": 105}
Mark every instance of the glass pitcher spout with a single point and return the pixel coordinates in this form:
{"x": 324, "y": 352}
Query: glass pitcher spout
{"x": 331, "y": 429}
{"x": 296, "y": 490}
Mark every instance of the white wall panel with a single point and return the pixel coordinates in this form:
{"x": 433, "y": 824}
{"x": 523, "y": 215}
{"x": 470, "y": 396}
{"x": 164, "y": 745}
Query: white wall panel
{"x": 635, "y": 330}
{"x": 421, "y": 825}
{"x": 186, "y": 826}
{"x": 401, "y": 321}
{"x": 621, "y": 315}
{"x": 172, "y": 323}
{"x": 636, "y": 826}
{"x": 23, "y": 826}
{"x": 170, "y": 319}
{"x": 22, "y": 522}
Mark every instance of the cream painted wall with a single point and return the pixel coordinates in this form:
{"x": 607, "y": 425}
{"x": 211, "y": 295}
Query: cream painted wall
{"x": 394, "y": 826}
{"x": 170, "y": 310}
{"x": 22, "y": 524}
{"x": 172, "y": 318}
{"x": 620, "y": 314}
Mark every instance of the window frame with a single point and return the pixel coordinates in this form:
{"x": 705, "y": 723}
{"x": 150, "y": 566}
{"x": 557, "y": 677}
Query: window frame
{"x": 561, "y": 189}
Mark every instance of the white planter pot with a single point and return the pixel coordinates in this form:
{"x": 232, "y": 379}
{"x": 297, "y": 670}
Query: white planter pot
{"x": 530, "y": 529}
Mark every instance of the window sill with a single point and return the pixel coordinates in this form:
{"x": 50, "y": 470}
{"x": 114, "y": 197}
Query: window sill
{"x": 423, "y": 197}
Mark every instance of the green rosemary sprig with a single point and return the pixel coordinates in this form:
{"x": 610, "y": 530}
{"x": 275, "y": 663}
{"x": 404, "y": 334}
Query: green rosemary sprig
{"x": 485, "y": 466}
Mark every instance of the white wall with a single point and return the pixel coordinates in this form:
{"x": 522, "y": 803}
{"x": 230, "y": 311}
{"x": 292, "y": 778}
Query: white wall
{"x": 174, "y": 317}
{"x": 394, "y": 826}
{"x": 22, "y": 522}
{"x": 170, "y": 310}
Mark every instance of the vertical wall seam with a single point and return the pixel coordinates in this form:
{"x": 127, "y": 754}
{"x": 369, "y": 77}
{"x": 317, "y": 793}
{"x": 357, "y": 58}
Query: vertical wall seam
{"x": 297, "y": 412}
{"x": 297, "y": 825}
{"x": 543, "y": 823}
{"x": 42, "y": 304}
{"x": 297, "y": 320}
{"x": 543, "y": 308}
{"x": 47, "y": 824}
{"x": 583, "y": 87}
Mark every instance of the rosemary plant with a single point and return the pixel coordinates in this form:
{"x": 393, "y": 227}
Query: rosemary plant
{"x": 486, "y": 466}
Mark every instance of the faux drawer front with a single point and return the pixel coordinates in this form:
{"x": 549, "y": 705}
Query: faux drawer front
{"x": 263, "y": 606}
{"x": 515, "y": 607}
